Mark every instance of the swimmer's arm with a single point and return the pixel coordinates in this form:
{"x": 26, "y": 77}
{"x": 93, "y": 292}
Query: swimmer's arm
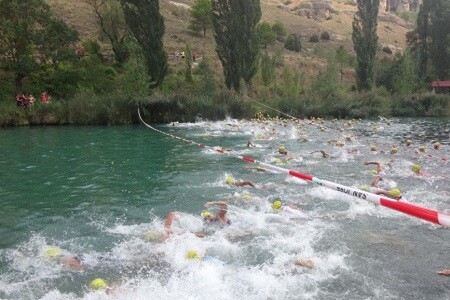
{"x": 223, "y": 207}
{"x": 73, "y": 263}
{"x": 169, "y": 220}
{"x": 445, "y": 272}
{"x": 243, "y": 183}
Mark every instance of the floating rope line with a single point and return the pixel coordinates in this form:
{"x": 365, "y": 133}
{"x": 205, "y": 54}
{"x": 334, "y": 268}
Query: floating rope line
{"x": 423, "y": 213}
{"x": 283, "y": 113}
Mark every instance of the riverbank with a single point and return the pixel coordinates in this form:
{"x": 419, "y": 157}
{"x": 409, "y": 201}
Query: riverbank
{"x": 115, "y": 109}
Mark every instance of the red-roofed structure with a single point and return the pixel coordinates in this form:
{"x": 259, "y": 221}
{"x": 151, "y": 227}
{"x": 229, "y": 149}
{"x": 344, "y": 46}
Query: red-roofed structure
{"x": 441, "y": 87}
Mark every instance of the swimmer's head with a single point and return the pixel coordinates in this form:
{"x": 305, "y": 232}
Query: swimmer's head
{"x": 408, "y": 142}
{"x": 394, "y": 150}
{"x": 206, "y": 215}
{"x": 98, "y": 284}
{"x": 348, "y": 138}
{"x": 152, "y": 236}
{"x": 246, "y": 196}
{"x": 277, "y": 205}
{"x": 192, "y": 254}
{"x": 340, "y": 144}
{"x": 53, "y": 252}
{"x": 282, "y": 150}
{"x": 437, "y": 145}
{"x": 373, "y": 172}
{"x": 230, "y": 180}
{"x": 422, "y": 148}
{"x": 373, "y": 147}
{"x": 416, "y": 168}
{"x": 396, "y": 193}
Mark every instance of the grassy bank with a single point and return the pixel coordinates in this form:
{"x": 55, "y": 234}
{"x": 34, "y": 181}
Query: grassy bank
{"x": 89, "y": 109}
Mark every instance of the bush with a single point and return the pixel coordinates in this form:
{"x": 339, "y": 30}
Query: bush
{"x": 387, "y": 50}
{"x": 293, "y": 43}
{"x": 314, "y": 38}
{"x": 325, "y": 36}
{"x": 280, "y": 30}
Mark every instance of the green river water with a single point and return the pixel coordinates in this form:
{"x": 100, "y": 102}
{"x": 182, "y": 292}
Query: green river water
{"x": 94, "y": 191}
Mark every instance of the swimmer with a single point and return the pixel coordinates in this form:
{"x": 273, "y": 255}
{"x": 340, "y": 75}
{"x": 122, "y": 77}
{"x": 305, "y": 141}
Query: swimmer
{"x": 57, "y": 254}
{"x": 417, "y": 169}
{"x": 324, "y": 154}
{"x": 385, "y": 187}
{"x": 380, "y": 167}
{"x": 231, "y": 181}
{"x": 289, "y": 211}
{"x": 307, "y": 263}
{"x": 99, "y": 284}
{"x": 445, "y": 272}
{"x": 220, "y": 215}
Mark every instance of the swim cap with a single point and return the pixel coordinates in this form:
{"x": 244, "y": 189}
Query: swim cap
{"x": 192, "y": 254}
{"x": 422, "y": 148}
{"x": 229, "y": 180}
{"x": 395, "y": 192}
{"x": 394, "y": 150}
{"x": 408, "y": 142}
{"x": 437, "y": 145}
{"x": 246, "y": 196}
{"x": 277, "y": 204}
{"x": 340, "y": 143}
{"x": 348, "y": 138}
{"x": 282, "y": 150}
{"x": 206, "y": 214}
{"x": 416, "y": 168}
{"x": 151, "y": 236}
{"x": 53, "y": 252}
{"x": 373, "y": 172}
{"x": 373, "y": 147}
{"x": 97, "y": 284}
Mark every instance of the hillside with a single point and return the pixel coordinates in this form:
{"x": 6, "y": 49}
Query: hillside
{"x": 299, "y": 16}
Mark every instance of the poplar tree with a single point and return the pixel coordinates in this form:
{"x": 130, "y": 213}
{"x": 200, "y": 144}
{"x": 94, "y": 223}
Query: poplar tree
{"x": 147, "y": 25}
{"x": 234, "y": 23}
{"x": 365, "y": 41}
{"x": 201, "y": 16}
{"x": 440, "y": 38}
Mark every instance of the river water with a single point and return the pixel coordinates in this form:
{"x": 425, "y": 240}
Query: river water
{"x": 95, "y": 193}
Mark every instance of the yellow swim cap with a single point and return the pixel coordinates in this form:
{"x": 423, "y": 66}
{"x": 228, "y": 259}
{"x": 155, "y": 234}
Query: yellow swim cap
{"x": 340, "y": 143}
{"x": 394, "y": 150}
{"x": 373, "y": 172}
{"x": 373, "y": 147}
{"x": 53, "y": 252}
{"x": 437, "y": 145}
{"x": 97, "y": 284}
{"x": 348, "y": 138}
{"x": 246, "y": 196}
{"x": 282, "y": 149}
{"x": 422, "y": 148}
{"x": 277, "y": 205}
{"x": 408, "y": 142}
{"x": 395, "y": 192}
{"x": 192, "y": 254}
{"x": 151, "y": 236}
{"x": 206, "y": 214}
{"x": 229, "y": 180}
{"x": 416, "y": 168}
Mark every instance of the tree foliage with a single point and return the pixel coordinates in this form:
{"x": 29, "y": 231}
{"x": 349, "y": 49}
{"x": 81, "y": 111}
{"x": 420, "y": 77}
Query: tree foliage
{"x": 268, "y": 68}
{"x": 280, "y": 30}
{"x": 365, "y": 41}
{"x": 293, "y": 43}
{"x": 147, "y": 25}
{"x": 112, "y": 24}
{"x": 266, "y": 34}
{"x": 440, "y": 38}
{"x": 201, "y": 12}
{"x": 30, "y": 36}
{"x": 237, "y": 45}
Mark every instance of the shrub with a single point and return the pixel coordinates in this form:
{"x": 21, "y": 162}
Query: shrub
{"x": 314, "y": 38}
{"x": 325, "y": 36}
{"x": 280, "y": 30}
{"x": 293, "y": 43}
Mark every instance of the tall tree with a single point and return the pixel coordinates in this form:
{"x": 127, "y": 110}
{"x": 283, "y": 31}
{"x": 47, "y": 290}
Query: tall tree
{"x": 365, "y": 41}
{"x": 201, "y": 13}
{"x": 234, "y": 23}
{"x": 111, "y": 21}
{"x": 266, "y": 34}
{"x": 420, "y": 41}
{"x": 30, "y": 36}
{"x": 342, "y": 58}
{"x": 440, "y": 38}
{"x": 147, "y": 25}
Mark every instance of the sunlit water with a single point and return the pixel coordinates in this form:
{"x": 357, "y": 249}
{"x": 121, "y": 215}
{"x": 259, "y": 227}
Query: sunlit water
{"x": 95, "y": 191}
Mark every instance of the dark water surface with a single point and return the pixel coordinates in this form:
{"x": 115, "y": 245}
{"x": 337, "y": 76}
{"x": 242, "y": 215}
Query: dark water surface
{"x": 94, "y": 192}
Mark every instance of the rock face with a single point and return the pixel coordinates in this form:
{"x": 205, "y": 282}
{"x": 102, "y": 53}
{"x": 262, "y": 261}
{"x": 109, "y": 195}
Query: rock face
{"x": 317, "y": 9}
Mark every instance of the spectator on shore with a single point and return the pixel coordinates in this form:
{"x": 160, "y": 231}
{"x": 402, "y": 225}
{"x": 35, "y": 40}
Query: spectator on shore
{"x": 45, "y": 98}
{"x": 31, "y": 99}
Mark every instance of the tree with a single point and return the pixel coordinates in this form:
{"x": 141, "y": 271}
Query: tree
{"x": 265, "y": 34}
{"x": 201, "y": 12}
{"x": 112, "y": 23}
{"x": 188, "y": 61}
{"x": 29, "y": 36}
{"x": 280, "y": 30}
{"x": 268, "y": 69}
{"x": 440, "y": 38}
{"x": 342, "y": 58}
{"x": 147, "y": 25}
{"x": 365, "y": 41}
{"x": 234, "y": 23}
